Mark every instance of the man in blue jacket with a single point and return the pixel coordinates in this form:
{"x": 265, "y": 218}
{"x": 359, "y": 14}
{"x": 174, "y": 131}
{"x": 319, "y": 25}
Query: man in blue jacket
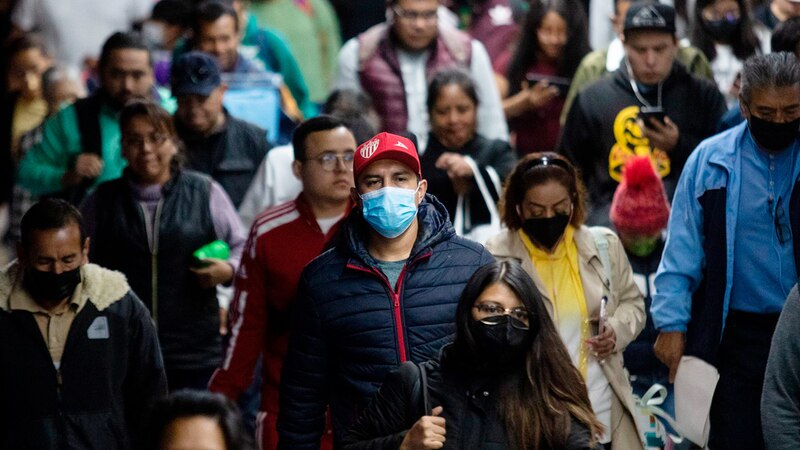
{"x": 732, "y": 252}
{"x": 386, "y": 293}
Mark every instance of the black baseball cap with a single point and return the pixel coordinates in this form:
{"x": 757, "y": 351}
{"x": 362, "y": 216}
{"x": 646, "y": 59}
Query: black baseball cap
{"x": 195, "y": 73}
{"x": 650, "y": 16}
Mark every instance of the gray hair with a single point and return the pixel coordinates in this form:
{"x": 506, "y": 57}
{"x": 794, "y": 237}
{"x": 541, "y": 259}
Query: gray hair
{"x": 774, "y": 70}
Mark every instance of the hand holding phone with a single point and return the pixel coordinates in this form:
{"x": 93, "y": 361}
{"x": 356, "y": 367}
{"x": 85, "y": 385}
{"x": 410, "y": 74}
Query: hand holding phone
{"x": 601, "y": 323}
{"x": 649, "y": 114}
{"x": 560, "y": 83}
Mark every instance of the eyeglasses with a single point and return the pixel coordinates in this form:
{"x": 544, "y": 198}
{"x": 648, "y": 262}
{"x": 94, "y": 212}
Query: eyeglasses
{"x": 413, "y": 16}
{"x": 492, "y": 314}
{"x": 155, "y": 140}
{"x": 730, "y": 16}
{"x": 782, "y": 230}
{"x": 330, "y": 161}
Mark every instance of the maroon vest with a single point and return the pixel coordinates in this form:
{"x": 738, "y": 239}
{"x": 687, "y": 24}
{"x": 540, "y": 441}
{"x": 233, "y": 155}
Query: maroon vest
{"x": 380, "y": 76}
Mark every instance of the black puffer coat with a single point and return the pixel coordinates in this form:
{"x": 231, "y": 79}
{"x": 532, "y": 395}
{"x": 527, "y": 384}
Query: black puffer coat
{"x": 351, "y": 328}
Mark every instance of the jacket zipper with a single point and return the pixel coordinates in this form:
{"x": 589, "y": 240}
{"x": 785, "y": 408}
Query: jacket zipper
{"x": 154, "y": 258}
{"x": 395, "y": 296}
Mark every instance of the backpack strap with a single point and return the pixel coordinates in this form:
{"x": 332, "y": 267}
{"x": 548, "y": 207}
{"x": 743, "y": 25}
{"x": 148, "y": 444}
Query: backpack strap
{"x": 88, "y": 113}
{"x": 601, "y": 243}
{"x": 416, "y": 376}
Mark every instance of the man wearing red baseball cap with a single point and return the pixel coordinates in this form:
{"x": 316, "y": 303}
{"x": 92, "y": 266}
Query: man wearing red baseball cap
{"x": 385, "y": 294}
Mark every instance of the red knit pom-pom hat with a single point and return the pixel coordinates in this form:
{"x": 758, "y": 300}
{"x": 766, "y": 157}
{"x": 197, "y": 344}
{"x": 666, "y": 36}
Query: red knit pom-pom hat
{"x": 640, "y": 205}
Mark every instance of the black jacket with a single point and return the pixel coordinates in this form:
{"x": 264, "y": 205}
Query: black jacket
{"x": 470, "y": 406}
{"x": 601, "y": 133}
{"x": 351, "y": 328}
{"x": 230, "y": 156}
{"x": 110, "y": 369}
{"x": 159, "y": 272}
{"x": 490, "y": 155}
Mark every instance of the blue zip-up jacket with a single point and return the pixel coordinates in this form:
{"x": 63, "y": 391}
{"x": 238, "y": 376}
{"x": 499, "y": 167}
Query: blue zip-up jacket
{"x": 352, "y": 329}
{"x": 694, "y": 279}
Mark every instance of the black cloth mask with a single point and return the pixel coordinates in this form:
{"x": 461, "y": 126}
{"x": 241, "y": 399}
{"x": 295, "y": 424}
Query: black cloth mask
{"x": 773, "y": 136}
{"x": 501, "y": 344}
{"x": 721, "y": 30}
{"x": 51, "y": 286}
{"x": 547, "y": 230}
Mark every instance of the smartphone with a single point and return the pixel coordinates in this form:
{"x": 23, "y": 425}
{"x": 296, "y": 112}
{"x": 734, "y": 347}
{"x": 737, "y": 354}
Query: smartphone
{"x": 601, "y": 323}
{"x": 560, "y": 82}
{"x": 651, "y": 113}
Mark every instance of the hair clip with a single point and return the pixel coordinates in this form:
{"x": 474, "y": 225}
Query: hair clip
{"x": 548, "y": 161}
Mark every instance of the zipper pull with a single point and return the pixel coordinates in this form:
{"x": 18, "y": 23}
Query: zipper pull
{"x": 59, "y": 378}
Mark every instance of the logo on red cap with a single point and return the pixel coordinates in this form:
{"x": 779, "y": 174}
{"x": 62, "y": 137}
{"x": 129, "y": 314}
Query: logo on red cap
{"x": 369, "y": 148}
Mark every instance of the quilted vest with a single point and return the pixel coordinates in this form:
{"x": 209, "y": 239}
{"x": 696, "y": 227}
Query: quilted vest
{"x": 380, "y": 75}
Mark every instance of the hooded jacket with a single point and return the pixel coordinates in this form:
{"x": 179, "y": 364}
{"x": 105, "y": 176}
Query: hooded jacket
{"x": 601, "y": 133}
{"x": 352, "y": 328}
{"x": 111, "y": 368}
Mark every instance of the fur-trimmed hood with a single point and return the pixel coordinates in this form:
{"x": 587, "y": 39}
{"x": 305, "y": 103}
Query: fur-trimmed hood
{"x": 100, "y": 286}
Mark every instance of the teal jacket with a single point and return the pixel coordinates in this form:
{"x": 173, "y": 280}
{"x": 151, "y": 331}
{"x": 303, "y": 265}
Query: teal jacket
{"x": 41, "y": 169}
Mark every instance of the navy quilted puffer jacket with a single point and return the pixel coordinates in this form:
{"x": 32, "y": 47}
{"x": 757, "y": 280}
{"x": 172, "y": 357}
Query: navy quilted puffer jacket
{"x": 351, "y": 328}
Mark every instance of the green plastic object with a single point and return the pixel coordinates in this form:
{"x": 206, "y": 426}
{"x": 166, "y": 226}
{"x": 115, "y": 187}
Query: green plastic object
{"x": 217, "y": 249}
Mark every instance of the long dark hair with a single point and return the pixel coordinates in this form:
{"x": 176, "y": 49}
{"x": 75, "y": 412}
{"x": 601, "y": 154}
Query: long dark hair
{"x": 549, "y": 391}
{"x": 576, "y": 48}
{"x": 744, "y": 42}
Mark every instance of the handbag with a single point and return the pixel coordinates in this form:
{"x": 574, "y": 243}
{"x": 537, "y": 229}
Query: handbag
{"x": 479, "y": 233}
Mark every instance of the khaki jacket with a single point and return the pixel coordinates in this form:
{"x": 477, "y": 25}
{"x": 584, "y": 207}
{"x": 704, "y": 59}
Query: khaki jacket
{"x": 625, "y": 314}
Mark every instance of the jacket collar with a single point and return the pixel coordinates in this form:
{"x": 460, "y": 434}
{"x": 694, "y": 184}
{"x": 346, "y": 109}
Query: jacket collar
{"x": 434, "y": 227}
{"x": 100, "y": 286}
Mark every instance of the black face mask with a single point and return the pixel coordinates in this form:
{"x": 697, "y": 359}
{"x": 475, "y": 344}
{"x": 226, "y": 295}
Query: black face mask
{"x": 546, "y": 231}
{"x": 722, "y": 29}
{"x": 773, "y": 136}
{"x": 501, "y": 344}
{"x": 50, "y": 286}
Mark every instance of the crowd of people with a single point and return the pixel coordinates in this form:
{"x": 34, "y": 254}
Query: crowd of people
{"x": 399, "y": 224}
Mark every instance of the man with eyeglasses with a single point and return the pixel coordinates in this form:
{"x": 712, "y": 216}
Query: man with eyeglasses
{"x": 393, "y": 61}
{"x": 385, "y": 293}
{"x": 731, "y": 256}
{"x": 218, "y": 144}
{"x": 282, "y": 240}
{"x": 80, "y": 145}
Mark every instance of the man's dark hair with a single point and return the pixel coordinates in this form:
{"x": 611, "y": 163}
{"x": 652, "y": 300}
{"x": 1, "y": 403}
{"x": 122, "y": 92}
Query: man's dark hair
{"x": 50, "y": 214}
{"x": 775, "y": 70}
{"x": 186, "y": 404}
{"x": 173, "y": 12}
{"x": 354, "y": 108}
{"x": 314, "y": 125}
{"x": 786, "y": 36}
{"x": 129, "y": 40}
{"x": 210, "y": 11}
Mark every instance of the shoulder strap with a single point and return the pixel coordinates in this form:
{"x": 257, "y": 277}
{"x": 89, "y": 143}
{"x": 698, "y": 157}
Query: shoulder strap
{"x": 601, "y": 242}
{"x": 88, "y": 113}
{"x": 423, "y": 378}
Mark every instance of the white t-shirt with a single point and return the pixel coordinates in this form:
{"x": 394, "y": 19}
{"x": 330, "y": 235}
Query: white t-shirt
{"x": 76, "y": 29}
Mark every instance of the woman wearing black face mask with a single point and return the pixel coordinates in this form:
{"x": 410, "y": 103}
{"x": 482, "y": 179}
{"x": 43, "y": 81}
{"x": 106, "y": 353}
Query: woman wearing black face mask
{"x": 505, "y": 383}
{"x": 727, "y": 34}
{"x": 543, "y": 208}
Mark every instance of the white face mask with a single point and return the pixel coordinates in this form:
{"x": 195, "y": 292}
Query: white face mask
{"x": 153, "y": 34}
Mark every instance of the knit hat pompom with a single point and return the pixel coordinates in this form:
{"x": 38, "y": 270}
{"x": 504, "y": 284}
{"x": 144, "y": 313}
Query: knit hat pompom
{"x": 640, "y": 205}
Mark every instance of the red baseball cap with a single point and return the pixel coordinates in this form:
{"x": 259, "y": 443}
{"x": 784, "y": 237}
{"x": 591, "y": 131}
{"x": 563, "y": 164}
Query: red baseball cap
{"x": 386, "y": 146}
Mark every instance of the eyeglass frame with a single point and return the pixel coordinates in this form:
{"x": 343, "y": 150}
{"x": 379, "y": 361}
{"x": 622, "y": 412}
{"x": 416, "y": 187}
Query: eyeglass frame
{"x": 413, "y": 16}
{"x": 505, "y": 312}
{"x": 339, "y": 158}
{"x": 155, "y": 139}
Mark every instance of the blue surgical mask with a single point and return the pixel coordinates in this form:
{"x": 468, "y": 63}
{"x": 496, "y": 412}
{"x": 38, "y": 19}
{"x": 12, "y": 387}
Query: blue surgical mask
{"x": 390, "y": 210}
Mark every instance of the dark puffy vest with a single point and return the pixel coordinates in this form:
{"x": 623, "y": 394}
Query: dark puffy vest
{"x": 186, "y": 315}
{"x": 380, "y": 76}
